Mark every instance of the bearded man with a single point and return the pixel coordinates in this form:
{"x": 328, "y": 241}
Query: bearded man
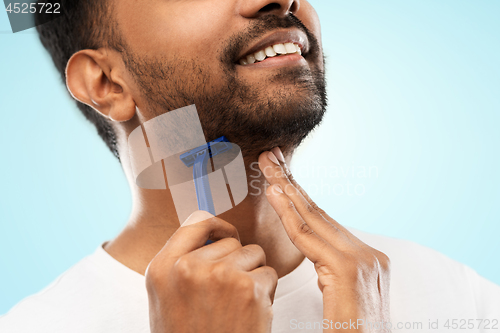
{"x": 277, "y": 262}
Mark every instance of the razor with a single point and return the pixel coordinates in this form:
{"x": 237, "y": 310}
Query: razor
{"x": 198, "y": 159}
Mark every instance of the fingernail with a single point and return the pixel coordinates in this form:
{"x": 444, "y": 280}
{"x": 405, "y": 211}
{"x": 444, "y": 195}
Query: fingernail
{"x": 278, "y": 188}
{"x": 277, "y": 152}
{"x": 273, "y": 158}
{"x": 198, "y": 216}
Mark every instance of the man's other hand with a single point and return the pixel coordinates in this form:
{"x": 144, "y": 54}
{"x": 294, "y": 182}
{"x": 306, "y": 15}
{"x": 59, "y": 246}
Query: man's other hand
{"x": 353, "y": 277}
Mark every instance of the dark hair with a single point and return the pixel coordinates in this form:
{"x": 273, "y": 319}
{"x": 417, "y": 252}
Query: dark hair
{"x": 82, "y": 24}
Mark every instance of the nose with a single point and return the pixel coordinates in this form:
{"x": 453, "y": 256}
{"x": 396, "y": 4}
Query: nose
{"x": 256, "y": 8}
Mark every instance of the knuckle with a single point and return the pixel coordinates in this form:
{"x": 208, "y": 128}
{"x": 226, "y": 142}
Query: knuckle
{"x": 310, "y": 209}
{"x": 305, "y": 229}
{"x": 246, "y": 283}
{"x": 219, "y": 273}
{"x": 246, "y": 288}
{"x": 372, "y": 263}
{"x": 384, "y": 260}
{"x": 273, "y": 275}
{"x": 254, "y": 250}
{"x": 314, "y": 210}
{"x": 154, "y": 274}
{"x": 334, "y": 228}
{"x": 232, "y": 227}
{"x": 215, "y": 224}
{"x": 359, "y": 265}
{"x": 367, "y": 262}
{"x": 232, "y": 243}
{"x": 365, "y": 265}
{"x": 369, "y": 265}
{"x": 183, "y": 268}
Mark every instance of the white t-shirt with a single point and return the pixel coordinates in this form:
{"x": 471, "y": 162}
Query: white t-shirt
{"x": 99, "y": 294}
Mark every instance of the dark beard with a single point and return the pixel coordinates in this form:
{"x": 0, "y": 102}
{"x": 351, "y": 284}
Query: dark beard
{"x": 247, "y": 115}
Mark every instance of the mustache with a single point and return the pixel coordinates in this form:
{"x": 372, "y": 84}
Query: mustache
{"x": 261, "y": 26}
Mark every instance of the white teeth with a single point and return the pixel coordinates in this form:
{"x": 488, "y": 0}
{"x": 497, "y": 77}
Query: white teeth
{"x": 299, "y": 51}
{"x": 271, "y": 51}
{"x": 290, "y": 48}
{"x": 251, "y": 59}
{"x": 279, "y": 48}
{"x": 259, "y": 56}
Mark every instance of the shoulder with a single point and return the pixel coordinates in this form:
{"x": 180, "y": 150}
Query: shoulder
{"x": 425, "y": 280}
{"x": 409, "y": 256}
{"x": 87, "y": 297}
{"x": 43, "y": 311}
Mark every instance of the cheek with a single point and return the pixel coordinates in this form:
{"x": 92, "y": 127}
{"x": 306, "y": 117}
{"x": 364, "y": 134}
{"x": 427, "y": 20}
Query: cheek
{"x": 175, "y": 30}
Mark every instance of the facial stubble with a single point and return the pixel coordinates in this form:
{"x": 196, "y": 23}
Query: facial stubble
{"x": 278, "y": 112}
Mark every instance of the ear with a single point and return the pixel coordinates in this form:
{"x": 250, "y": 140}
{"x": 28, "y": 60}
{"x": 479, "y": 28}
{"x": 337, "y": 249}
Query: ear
{"x": 91, "y": 80}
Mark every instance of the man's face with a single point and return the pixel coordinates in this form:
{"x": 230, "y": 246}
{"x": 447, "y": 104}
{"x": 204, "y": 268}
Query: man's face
{"x": 183, "y": 52}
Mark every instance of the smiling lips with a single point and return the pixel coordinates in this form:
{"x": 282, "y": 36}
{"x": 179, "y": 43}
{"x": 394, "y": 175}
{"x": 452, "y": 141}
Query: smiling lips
{"x": 270, "y": 52}
{"x": 292, "y": 43}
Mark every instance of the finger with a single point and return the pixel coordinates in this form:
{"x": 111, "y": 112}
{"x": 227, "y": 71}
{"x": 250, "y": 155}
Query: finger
{"x": 311, "y": 205}
{"x": 216, "y": 250}
{"x": 247, "y": 258}
{"x": 312, "y": 245}
{"x": 275, "y": 175}
{"x": 320, "y": 211}
{"x": 194, "y": 232}
{"x": 277, "y": 152}
{"x": 267, "y": 279}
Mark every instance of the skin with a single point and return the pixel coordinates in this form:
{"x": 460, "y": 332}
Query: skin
{"x": 263, "y": 238}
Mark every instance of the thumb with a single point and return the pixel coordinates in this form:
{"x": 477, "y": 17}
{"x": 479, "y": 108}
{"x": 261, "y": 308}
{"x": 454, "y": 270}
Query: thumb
{"x": 197, "y": 216}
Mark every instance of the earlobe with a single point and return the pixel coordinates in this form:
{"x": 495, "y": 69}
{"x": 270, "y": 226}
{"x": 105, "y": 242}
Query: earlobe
{"x": 89, "y": 80}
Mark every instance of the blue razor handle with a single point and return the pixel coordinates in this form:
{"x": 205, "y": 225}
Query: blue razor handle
{"x": 198, "y": 158}
{"x": 201, "y": 184}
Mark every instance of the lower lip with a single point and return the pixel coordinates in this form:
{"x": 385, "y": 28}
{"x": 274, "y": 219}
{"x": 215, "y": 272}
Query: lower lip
{"x": 279, "y": 61}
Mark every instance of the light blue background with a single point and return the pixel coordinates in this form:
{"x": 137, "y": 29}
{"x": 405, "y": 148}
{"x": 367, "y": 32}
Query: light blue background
{"x": 414, "y": 94}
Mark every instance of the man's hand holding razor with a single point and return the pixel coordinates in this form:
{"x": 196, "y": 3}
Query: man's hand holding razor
{"x": 227, "y": 287}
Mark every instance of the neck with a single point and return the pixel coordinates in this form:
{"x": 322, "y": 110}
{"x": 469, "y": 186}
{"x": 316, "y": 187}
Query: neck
{"x": 154, "y": 220}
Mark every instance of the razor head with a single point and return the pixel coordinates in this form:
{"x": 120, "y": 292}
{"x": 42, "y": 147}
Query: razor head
{"x": 218, "y": 146}
{"x": 214, "y": 148}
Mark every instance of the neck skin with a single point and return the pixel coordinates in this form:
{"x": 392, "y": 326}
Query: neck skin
{"x": 153, "y": 220}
